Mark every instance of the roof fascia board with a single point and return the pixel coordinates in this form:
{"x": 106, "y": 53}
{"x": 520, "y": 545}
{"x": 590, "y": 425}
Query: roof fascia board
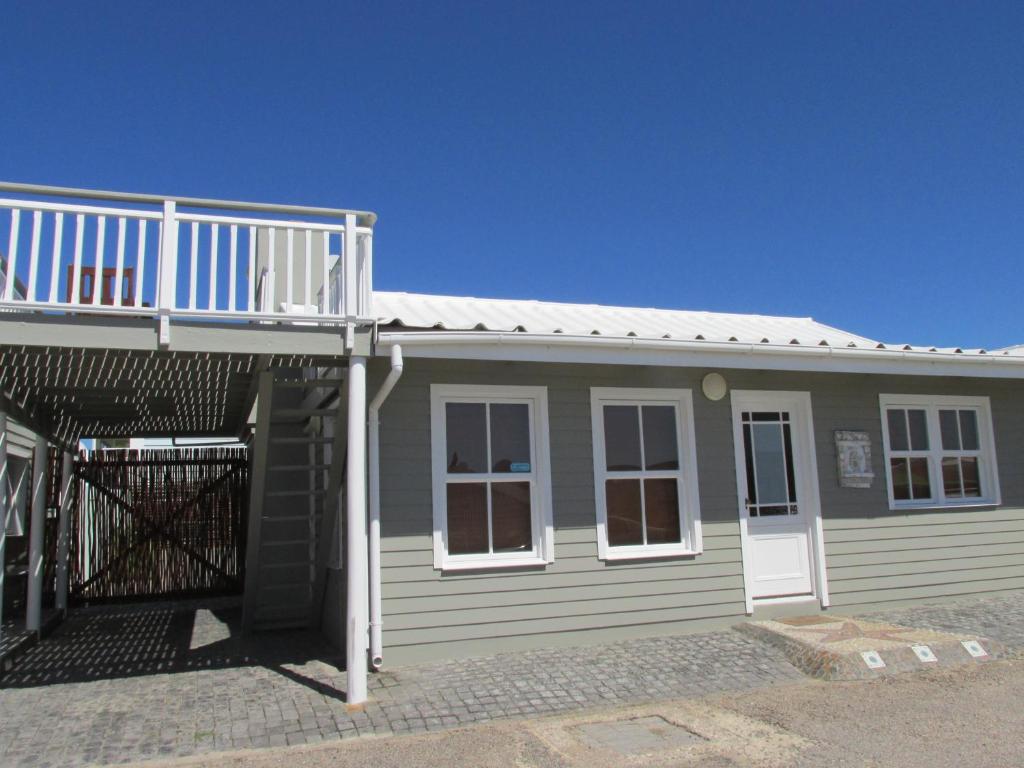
{"x": 677, "y": 353}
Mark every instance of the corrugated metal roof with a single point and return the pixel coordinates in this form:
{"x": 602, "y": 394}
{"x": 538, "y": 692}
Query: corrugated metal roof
{"x": 458, "y": 313}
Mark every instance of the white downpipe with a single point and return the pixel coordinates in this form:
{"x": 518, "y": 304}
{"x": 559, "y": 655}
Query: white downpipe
{"x": 355, "y": 563}
{"x": 63, "y": 531}
{"x": 376, "y": 624}
{"x": 34, "y": 608}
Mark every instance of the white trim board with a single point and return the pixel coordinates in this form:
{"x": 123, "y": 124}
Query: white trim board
{"x": 469, "y": 345}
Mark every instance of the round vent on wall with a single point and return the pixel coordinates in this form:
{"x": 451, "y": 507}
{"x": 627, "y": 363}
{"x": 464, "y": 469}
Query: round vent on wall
{"x": 714, "y": 386}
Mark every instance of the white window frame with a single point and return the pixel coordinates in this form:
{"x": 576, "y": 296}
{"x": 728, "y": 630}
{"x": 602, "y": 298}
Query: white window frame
{"x": 686, "y": 476}
{"x": 931, "y": 404}
{"x": 536, "y": 398}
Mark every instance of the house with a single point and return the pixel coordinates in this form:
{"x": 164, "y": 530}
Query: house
{"x": 436, "y": 477}
{"x": 557, "y": 474}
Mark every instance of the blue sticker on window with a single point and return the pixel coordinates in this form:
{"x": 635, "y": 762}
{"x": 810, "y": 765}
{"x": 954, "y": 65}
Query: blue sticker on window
{"x": 520, "y": 466}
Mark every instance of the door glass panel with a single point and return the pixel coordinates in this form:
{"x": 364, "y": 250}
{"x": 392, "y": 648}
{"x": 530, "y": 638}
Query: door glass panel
{"x": 660, "y": 445}
{"x": 512, "y": 530}
{"x": 510, "y": 437}
{"x": 466, "y": 437}
{"x": 625, "y": 518}
{"x": 467, "y": 518}
{"x": 748, "y": 451}
{"x": 787, "y": 440}
{"x": 661, "y": 503}
{"x": 898, "y": 440}
{"x": 772, "y": 511}
{"x": 969, "y": 430}
{"x": 622, "y": 438}
{"x": 769, "y": 464}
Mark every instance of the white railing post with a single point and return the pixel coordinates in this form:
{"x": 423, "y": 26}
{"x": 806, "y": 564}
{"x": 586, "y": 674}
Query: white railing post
{"x": 167, "y": 290}
{"x": 350, "y": 296}
{"x": 366, "y": 276}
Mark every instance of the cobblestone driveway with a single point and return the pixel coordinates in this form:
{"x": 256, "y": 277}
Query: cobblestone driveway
{"x": 128, "y": 683}
{"x": 1000, "y": 618}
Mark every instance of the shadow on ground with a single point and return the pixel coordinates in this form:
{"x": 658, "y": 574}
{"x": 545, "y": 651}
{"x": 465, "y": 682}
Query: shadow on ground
{"x": 110, "y": 642}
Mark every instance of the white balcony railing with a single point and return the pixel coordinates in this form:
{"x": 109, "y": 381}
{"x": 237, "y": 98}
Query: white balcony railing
{"x": 80, "y": 251}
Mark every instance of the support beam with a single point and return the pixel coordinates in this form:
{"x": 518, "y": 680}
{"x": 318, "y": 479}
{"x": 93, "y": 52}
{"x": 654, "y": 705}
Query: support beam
{"x": 64, "y": 529}
{"x": 6, "y": 503}
{"x": 257, "y": 487}
{"x": 355, "y": 564}
{"x": 34, "y": 608}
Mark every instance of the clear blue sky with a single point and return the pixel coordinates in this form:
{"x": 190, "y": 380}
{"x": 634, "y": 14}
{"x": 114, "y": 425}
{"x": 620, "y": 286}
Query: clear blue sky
{"x": 861, "y": 163}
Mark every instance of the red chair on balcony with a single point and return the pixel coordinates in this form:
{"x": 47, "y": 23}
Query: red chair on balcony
{"x": 87, "y": 286}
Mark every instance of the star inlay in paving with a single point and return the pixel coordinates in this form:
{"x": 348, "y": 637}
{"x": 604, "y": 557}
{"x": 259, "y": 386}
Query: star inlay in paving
{"x": 851, "y": 630}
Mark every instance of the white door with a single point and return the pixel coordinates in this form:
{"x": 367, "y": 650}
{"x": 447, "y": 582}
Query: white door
{"x": 778, "y": 493}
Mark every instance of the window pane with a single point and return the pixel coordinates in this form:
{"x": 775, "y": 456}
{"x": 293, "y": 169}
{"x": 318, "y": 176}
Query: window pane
{"x": 950, "y": 430}
{"x": 918, "y": 430}
{"x": 661, "y": 450}
{"x": 661, "y": 503}
{"x": 969, "y": 430}
{"x": 898, "y": 429}
{"x": 510, "y": 437}
{"x": 787, "y": 439}
{"x": 769, "y": 463}
{"x": 951, "y": 477}
{"x": 467, "y": 518}
{"x": 625, "y": 523}
{"x": 511, "y": 526}
{"x": 622, "y": 437}
{"x": 900, "y": 479}
{"x": 466, "y": 437}
{"x": 775, "y": 511}
{"x": 748, "y": 451}
{"x": 919, "y": 482}
{"x": 971, "y": 475}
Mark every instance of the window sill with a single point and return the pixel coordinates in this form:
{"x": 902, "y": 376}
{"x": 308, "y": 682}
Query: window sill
{"x": 490, "y": 565}
{"x": 649, "y": 554}
{"x": 934, "y": 505}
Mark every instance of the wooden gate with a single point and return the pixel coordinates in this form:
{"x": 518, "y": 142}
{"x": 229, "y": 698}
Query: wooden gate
{"x": 159, "y": 523}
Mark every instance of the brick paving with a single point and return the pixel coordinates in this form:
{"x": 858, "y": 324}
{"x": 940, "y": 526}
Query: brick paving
{"x": 128, "y": 683}
{"x": 999, "y": 618}
{"x": 136, "y": 682}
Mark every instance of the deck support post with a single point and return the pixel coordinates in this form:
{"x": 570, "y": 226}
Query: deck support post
{"x": 167, "y": 288}
{"x": 357, "y": 618}
{"x": 6, "y": 503}
{"x": 63, "y": 530}
{"x": 34, "y": 607}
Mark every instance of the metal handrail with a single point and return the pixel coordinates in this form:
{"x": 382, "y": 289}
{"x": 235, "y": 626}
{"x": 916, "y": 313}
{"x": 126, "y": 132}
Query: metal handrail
{"x": 366, "y": 218}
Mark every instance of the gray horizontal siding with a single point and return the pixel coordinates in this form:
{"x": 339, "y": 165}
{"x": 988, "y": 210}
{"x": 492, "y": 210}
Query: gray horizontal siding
{"x": 873, "y": 556}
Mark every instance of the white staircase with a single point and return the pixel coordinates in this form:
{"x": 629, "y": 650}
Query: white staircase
{"x": 293, "y": 448}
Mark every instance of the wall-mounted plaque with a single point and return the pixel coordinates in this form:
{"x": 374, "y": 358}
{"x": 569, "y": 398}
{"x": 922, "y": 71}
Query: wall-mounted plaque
{"x": 853, "y": 454}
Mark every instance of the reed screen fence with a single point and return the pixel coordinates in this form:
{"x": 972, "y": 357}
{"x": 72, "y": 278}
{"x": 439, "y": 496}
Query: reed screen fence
{"x": 159, "y": 523}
